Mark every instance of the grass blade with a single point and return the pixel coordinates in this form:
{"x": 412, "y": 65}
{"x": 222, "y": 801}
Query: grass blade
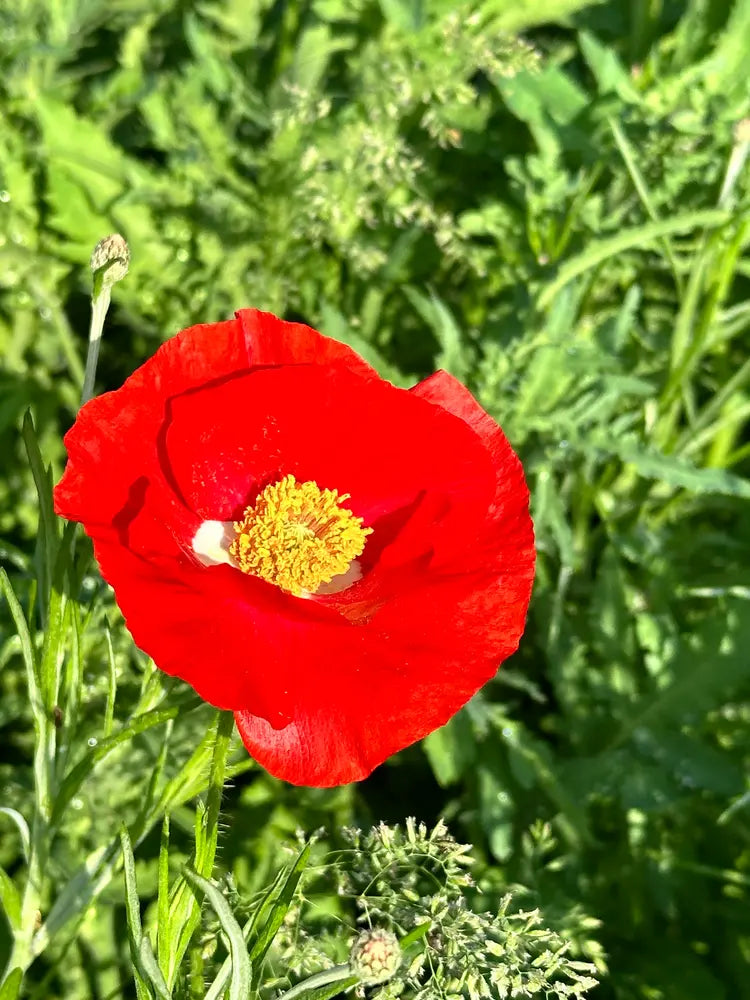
{"x": 27, "y": 647}
{"x": 279, "y": 910}
{"x": 324, "y": 985}
{"x": 133, "y": 912}
{"x": 48, "y": 520}
{"x": 639, "y": 183}
{"x": 184, "y": 912}
{"x": 162, "y": 899}
{"x": 147, "y": 972}
{"x": 109, "y": 711}
{"x": 241, "y": 976}
{"x": 23, "y": 828}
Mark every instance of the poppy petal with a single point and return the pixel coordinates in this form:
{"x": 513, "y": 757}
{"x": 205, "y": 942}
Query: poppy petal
{"x": 222, "y": 443}
{"x": 324, "y": 688}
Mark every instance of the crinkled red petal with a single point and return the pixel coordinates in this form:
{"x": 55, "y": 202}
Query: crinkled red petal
{"x": 113, "y": 443}
{"x": 449, "y": 634}
{"x": 323, "y": 689}
{"x": 221, "y": 444}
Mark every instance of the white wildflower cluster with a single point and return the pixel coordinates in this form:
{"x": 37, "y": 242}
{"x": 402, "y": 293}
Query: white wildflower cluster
{"x": 360, "y": 165}
{"x": 415, "y": 883}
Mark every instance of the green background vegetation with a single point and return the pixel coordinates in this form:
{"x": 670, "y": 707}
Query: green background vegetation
{"x": 561, "y": 220}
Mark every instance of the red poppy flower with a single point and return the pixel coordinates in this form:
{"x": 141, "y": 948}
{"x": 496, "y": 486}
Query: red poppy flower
{"x": 340, "y": 562}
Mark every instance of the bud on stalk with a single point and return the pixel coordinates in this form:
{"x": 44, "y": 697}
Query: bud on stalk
{"x": 375, "y": 956}
{"x": 109, "y": 263}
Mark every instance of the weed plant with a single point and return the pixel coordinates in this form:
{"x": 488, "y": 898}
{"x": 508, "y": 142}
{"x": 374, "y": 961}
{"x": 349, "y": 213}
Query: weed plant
{"x": 549, "y": 200}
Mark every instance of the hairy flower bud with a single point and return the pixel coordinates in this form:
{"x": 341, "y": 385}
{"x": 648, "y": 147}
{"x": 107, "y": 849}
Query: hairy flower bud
{"x": 112, "y": 254}
{"x": 375, "y": 956}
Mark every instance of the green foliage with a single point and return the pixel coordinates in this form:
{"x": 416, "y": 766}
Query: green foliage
{"x": 416, "y": 882}
{"x": 410, "y": 879}
{"x": 562, "y": 221}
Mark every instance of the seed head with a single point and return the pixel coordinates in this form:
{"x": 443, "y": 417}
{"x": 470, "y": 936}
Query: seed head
{"x": 375, "y": 956}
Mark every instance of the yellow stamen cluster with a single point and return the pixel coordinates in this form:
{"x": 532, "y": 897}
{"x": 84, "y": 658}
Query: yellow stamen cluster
{"x": 297, "y": 536}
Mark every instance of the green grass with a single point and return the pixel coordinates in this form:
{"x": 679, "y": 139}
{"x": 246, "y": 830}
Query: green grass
{"x": 561, "y": 220}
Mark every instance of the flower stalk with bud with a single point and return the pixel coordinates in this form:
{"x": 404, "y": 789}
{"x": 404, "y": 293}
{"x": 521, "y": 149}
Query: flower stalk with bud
{"x": 374, "y": 959}
{"x": 110, "y": 261}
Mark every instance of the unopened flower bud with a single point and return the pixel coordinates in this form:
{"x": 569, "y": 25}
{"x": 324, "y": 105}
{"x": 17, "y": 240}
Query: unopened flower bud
{"x": 111, "y": 258}
{"x": 375, "y": 956}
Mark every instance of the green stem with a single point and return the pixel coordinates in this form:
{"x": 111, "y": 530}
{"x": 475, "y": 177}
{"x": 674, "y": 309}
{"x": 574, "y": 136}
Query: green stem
{"x": 99, "y": 307}
{"x": 333, "y": 975}
{"x": 224, "y": 730}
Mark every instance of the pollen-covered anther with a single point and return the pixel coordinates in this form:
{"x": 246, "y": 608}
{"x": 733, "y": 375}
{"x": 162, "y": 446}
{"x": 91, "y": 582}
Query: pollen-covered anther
{"x": 298, "y": 536}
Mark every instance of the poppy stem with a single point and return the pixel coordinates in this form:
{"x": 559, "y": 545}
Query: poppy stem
{"x": 99, "y": 307}
{"x": 224, "y": 730}
{"x": 109, "y": 263}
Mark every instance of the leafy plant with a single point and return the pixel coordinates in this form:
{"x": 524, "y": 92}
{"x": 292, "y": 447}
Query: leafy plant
{"x": 561, "y": 221}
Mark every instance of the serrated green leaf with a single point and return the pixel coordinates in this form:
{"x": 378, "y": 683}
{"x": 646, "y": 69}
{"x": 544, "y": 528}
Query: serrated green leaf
{"x": 629, "y": 239}
{"x": 669, "y": 469}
